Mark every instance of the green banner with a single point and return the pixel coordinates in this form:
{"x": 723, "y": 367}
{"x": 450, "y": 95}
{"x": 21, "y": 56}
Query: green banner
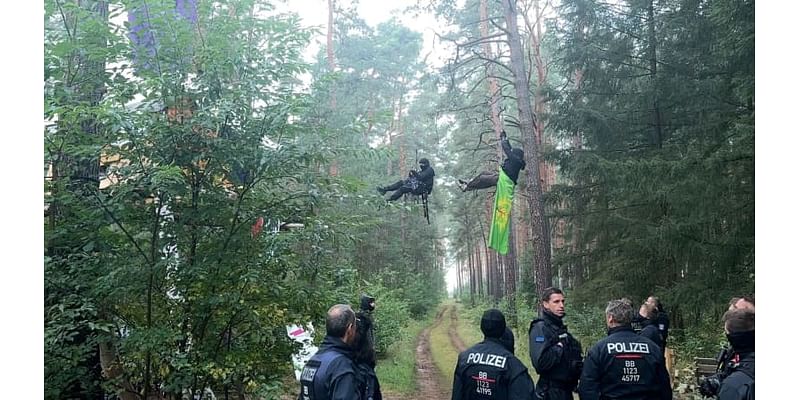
{"x": 501, "y": 220}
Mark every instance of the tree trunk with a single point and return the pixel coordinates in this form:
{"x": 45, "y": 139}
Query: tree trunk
{"x": 511, "y": 279}
{"x": 479, "y": 279}
{"x": 541, "y": 231}
{"x": 494, "y": 91}
{"x": 546, "y": 170}
{"x": 658, "y": 136}
{"x": 334, "y": 167}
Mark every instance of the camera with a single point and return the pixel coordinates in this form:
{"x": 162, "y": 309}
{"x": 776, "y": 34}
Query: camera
{"x": 709, "y": 386}
{"x": 367, "y": 302}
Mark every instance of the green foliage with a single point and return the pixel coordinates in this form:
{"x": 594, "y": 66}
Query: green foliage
{"x": 660, "y": 197}
{"x": 397, "y": 371}
{"x": 391, "y": 316}
{"x": 199, "y": 138}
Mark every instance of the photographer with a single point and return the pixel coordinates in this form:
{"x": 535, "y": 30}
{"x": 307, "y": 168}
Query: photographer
{"x": 364, "y": 358}
{"x": 726, "y": 359}
{"x": 740, "y": 329}
{"x": 729, "y": 359}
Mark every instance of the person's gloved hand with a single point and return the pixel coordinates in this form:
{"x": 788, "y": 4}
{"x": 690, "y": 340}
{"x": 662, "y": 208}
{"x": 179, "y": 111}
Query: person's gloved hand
{"x": 503, "y": 135}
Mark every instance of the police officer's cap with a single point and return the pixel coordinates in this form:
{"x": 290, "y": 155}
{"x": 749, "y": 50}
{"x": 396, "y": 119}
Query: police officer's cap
{"x": 493, "y": 323}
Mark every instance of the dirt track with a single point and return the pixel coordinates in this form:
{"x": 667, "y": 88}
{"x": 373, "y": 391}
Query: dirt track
{"x": 429, "y": 385}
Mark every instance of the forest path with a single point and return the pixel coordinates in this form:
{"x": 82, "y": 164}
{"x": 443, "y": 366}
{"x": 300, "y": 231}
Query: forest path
{"x": 452, "y": 331}
{"x": 429, "y": 378}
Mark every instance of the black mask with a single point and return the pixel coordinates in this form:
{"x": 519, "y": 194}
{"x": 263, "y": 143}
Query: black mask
{"x": 742, "y": 342}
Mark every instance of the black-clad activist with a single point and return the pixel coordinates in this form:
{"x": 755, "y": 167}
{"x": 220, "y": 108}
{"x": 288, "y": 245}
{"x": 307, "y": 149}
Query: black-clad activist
{"x": 740, "y": 329}
{"x": 331, "y": 374}
{"x": 727, "y": 357}
{"x": 488, "y": 370}
{"x": 367, "y": 309}
{"x": 555, "y": 354}
{"x": 418, "y": 182}
{"x": 364, "y": 357}
{"x": 624, "y": 365}
{"x": 514, "y": 162}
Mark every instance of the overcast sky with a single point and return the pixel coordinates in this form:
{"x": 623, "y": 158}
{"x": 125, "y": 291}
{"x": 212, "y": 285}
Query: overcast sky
{"x": 315, "y": 13}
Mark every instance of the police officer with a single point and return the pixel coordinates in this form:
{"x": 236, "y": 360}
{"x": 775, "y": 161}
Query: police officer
{"x": 555, "y": 354}
{"x": 726, "y": 359}
{"x": 744, "y": 302}
{"x": 330, "y": 374}
{"x": 661, "y": 319}
{"x": 624, "y": 365}
{"x": 488, "y": 370}
{"x": 648, "y": 327}
{"x": 507, "y": 340}
{"x": 740, "y": 329}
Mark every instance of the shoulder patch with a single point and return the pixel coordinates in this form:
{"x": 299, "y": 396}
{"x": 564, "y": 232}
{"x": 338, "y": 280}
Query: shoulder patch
{"x": 539, "y": 339}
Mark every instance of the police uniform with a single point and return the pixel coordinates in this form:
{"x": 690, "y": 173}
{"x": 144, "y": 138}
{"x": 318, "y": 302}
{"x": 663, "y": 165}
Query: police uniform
{"x": 330, "y": 374}
{"x": 741, "y": 383}
{"x": 558, "y": 366}
{"x": 650, "y": 331}
{"x": 624, "y": 365}
{"x": 662, "y": 323}
{"x": 488, "y": 370}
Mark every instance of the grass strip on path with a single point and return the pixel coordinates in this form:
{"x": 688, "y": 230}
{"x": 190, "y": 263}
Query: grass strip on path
{"x": 443, "y": 352}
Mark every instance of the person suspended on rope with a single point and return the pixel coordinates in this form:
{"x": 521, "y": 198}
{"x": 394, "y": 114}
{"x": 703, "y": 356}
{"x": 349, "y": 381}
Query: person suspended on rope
{"x": 514, "y": 162}
{"x": 418, "y": 182}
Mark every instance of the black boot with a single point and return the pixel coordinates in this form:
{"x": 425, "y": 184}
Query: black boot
{"x": 381, "y": 189}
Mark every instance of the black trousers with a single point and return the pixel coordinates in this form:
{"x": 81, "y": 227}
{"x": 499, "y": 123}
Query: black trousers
{"x": 484, "y": 180}
{"x": 400, "y": 188}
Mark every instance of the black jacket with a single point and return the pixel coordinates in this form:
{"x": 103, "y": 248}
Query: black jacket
{"x": 512, "y": 164}
{"x": 650, "y": 331}
{"x": 624, "y": 365}
{"x": 558, "y": 364}
{"x": 741, "y": 383}
{"x": 330, "y": 374}
{"x": 662, "y": 323}
{"x": 638, "y": 322}
{"x": 425, "y": 179}
{"x": 488, "y": 370}
{"x": 368, "y": 383}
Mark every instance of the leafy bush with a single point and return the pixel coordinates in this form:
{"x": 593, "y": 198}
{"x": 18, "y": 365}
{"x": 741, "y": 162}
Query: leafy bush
{"x": 391, "y": 316}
